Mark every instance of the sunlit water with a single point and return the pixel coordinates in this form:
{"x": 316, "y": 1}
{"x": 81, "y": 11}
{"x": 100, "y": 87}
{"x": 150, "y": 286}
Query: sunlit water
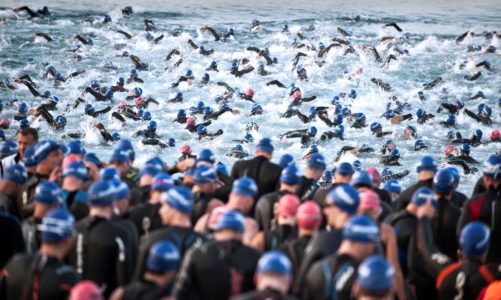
{"x": 429, "y": 35}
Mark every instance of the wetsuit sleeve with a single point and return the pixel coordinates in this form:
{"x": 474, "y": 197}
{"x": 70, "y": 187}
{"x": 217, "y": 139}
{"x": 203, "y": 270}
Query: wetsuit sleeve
{"x": 277, "y": 83}
{"x": 435, "y": 260}
{"x": 472, "y": 115}
{"x": 308, "y": 99}
{"x": 302, "y": 117}
{"x": 121, "y": 262}
{"x": 185, "y": 285}
{"x": 32, "y": 89}
{"x": 325, "y": 119}
{"x": 465, "y": 217}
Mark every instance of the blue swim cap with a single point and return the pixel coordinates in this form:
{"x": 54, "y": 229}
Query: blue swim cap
{"x": 285, "y": 160}
{"x": 57, "y": 225}
{"x": 359, "y": 117}
{"x": 179, "y": 95}
{"x": 420, "y": 112}
{"x": 16, "y": 173}
{"x": 339, "y": 129}
{"x": 206, "y": 155}
{"x": 317, "y": 162}
{"x": 361, "y": 229}
{"x": 265, "y": 145}
{"x": 163, "y": 257}
{"x": 376, "y": 126}
{"x": 275, "y": 262}
{"x": 22, "y": 108}
{"x": 423, "y": 194}
{"x": 345, "y": 197}
{"x": 312, "y": 131}
{"x": 76, "y": 169}
{"x": 389, "y": 114}
{"x": 419, "y": 144}
{"x": 451, "y": 120}
{"x": 89, "y": 108}
{"x": 47, "y": 193}
{"x": 492, "y": 167}
{"x": 171, "y": 142}
{"x": 74, "y": 147}
{"x": 138, "y": 91}
{"x": 395, "y": 153}
{"x": 375, "y": 275}
{"x": 231, "y": 220}
{"x": 290, "y": 175}
{"x": 465, "y": 148}
{"x": 146, "y": 116}
{"x": 245, "y": 186}
{"x": 460, "y": 104}
{"x": 443, "y": 182}
{"x": 392, "y": 186}
{"x": 179, "y": 198}
{"x": 162, "y": 182}
{"x": 8, "y": 148}
{"x": 361, "y": 178}
{"x": 152, "y": 125}
{"x": 478, "y": 134}
{"x": 357, "y": 165}
{"x": 102, "y": 193}
{"x": 346, "y": 111}
{"x": 205, "y": 174}
{"x": 474, "y": 239}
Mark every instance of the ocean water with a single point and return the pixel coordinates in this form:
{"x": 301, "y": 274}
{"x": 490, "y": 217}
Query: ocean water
{"x": 429, "y": 32}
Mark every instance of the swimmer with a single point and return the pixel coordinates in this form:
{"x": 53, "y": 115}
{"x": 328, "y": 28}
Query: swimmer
{"x": 262, "y": 53}
{"x": 138, "y": 63}
{"x": 150, "y": 131}
{"x": 188, "y": 77}
{"x": 134, "y": 77}
{"x": 239, "y": 73}
{"x": 32, "y": 14}
{"x": 43, "y": 35}
{"x": 126, "y": 34}
{"x": 204, "y": 134}
{"x": 338, "y": 133}
{"x": 307, "y": 136}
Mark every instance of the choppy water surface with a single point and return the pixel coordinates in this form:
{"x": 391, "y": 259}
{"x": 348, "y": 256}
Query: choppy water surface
{"x": 429, "y": 32}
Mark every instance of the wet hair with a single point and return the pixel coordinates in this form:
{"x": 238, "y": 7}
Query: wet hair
{"x": 29, "y": 131}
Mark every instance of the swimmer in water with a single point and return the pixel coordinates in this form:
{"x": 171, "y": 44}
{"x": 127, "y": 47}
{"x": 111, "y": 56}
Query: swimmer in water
{"x": 307, "y": 136}
{"x": 239, "y": 73}
{"x": 31, "y": 13}
{"x": 138, "y": 63}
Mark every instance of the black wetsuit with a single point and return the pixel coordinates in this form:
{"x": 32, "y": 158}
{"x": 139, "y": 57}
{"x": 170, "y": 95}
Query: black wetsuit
{"x": 303, "y": 134}
{"x": 103, "y": 253}
{"x": 263, "y": 212}
{"x": 40, "y": 276}
{"x": 98, "y": 113}
{"x": 405, "y": 197}
{"x": 145, "y": 217}
{"x": 274, "y": 238}
{"x": 485, "y": 207}
{"x": 183, "y": 238}
{"x": 268, "y": 294}
{"x": 32, "y": 236}
{"x": 11, "y": 237}
{"x": 201, "y": 202}
{"x": 9, "y": 205}
{"x": 98, "y": 96}
{"x": 322, "y": 245}
{"x": 335, "y": 274}
{"x": 27, "y": 194}
{"x": 295, "y": 249}
{"x": 217, "y": 270}
{"x": 444, "y": 225}
{"x": 143, "y": 289}
{"x": 454, "y": 280}
{"x": 308, "y": 188}
{"x": 265, "y": 173}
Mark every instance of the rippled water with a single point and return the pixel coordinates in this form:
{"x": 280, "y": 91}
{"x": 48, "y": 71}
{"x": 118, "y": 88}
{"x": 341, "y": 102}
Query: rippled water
{"x": 429, "y": 33}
